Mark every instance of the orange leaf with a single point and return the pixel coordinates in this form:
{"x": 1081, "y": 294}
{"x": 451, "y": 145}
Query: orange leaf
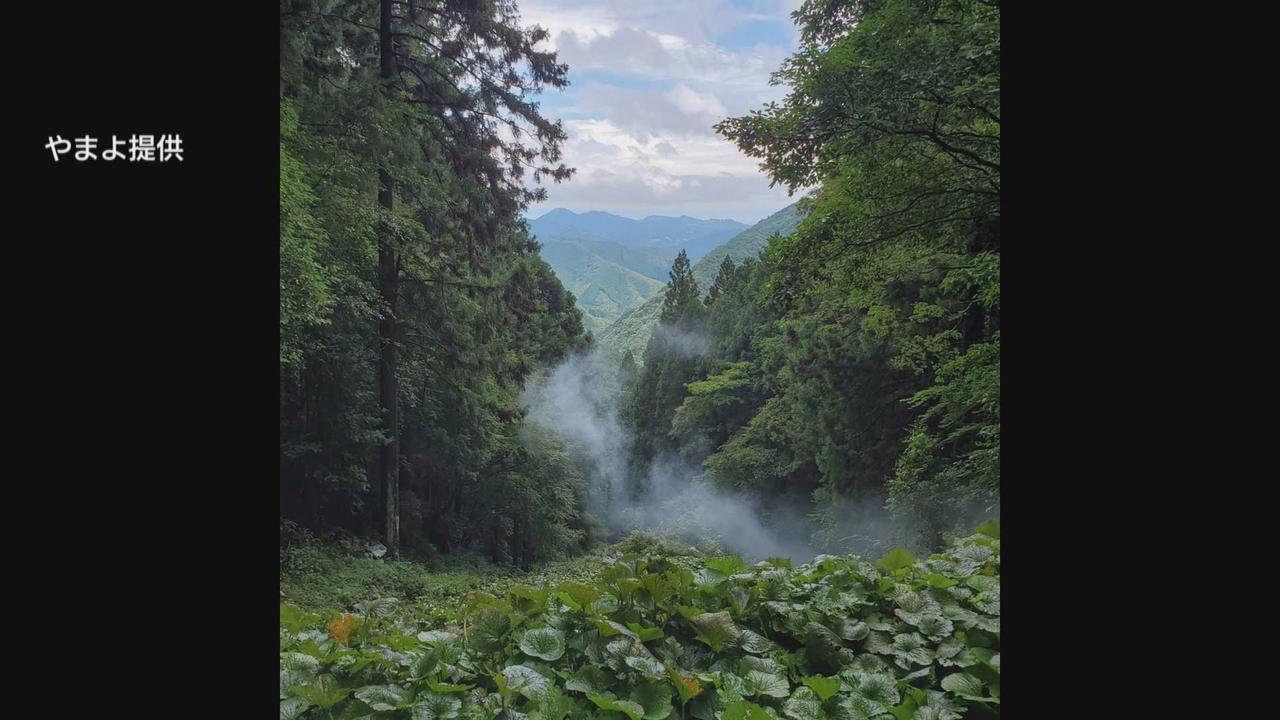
{"x": 340, "y": 628}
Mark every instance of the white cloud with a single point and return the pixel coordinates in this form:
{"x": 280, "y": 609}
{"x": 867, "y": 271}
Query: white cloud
{"x": 693, "y": 19}
{"x": 620, "y": 171}
{"x": 648, "y": 83}
{"x": 647, "y": 113}
{"x": 692, "y": 103}
{"x": 643, "y": 54}
{"x": 624, "y": 47}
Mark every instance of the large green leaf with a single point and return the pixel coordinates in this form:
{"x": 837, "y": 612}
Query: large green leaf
{"x": 962, "y": 684}
{"x": 941, "y": 582}
{"x": 755, "y": 643}
{"x": 727, "y": 565}
{"x": 743, "y": 710}
{"x": 910, "y": 647}
{"x": 879, "y": 688}
{"x": 633, "y": 710}
{"x": 323, "y": 691}
{"x": 823, "y": 687}
{"x": 433, "y": 706}
{"x": 659, "y": 588}
{"x": 436, "y": 637}
{"x": 645, "y": 634}
{"x": 382, "y": 607}
{"x": 546, "y": 643}
{"x": 553, "y": 705}
{"x": 763, "y": 664}
{"x": 853, "y": 630}
{"x": 646, "y": 665}
{"x": 293, "y": 708}
{"x": 730, "y": 687}
{"x": 707, "y": 578}
{"x": 686, "y": 685}
{"x": 446, "y": 688}
{"x": 761, "y": 683}
{"x": 296, "y": 669}
{"x": 983, "y": 583}
{"x": 490, "y": 630}
{"x": 293, "y": 619}
{"x": 707, "y": 706}
{"x": 398, "y": 642}
{"x": 655, "y": 698}
{"x": 524, "y": 680}
{"x": 935, "y": 705}
{"x": 527, "y": 600}
{"x": 609, "y": 628}
{"x": 385, "y": 697}
{"x": 896, "y": 559}
{"x": 823, "y": 649}
{"x": 966, "y": 686}
{"x": 425, "y": 663}
{"x": 715, "y": 629}
{"x": 589, "y": 679}
{"x": 935, "y": 626}
{"x": 581, "y": 595}
{"x": 803, "y": 705}
{"x": 905, "y": 711}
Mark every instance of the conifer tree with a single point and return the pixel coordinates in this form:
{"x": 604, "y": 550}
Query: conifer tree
{"x": 724, "y": 278}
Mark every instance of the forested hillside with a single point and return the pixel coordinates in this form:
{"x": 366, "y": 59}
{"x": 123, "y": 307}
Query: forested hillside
{"x": 604, "y": 289}
{"x": 413, "y": 302}
{"x": 630, "y": 332}
{"x": 856, "y": 362}
{"x": 652, "y": 262}
{"x": 853, "y": 363}
{"x": 669, "y": 234}
{"x": 613, "y": 263}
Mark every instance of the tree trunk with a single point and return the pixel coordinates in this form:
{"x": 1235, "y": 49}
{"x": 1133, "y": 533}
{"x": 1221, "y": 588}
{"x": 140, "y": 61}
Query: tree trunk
{"x": 388, "y": 287}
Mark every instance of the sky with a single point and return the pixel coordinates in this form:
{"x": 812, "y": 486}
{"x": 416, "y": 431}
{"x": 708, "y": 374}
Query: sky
{"x": 648, "y": 80}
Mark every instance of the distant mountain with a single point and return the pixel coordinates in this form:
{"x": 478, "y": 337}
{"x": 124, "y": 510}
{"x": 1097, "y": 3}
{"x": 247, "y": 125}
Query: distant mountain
{"x": 612, "y": 263}
{"x": 604, "y": 289}
{"x": 694, "y": 236}
{"x": 655, "y": 262}
{"x": 632, "y": 330}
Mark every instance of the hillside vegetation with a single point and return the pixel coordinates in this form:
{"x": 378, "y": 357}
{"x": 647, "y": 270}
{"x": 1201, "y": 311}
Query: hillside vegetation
{"x": 673, "y": 234}
{"x": 658, "y": 636}
{"x": 631, "y": 331}
{"x": 854, "y": 365}
{"x": 603, "y": 290}
{"x": 611, "y": 263}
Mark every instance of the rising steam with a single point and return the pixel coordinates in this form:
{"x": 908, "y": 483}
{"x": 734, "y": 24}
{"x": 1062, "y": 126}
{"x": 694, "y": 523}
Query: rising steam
{"x": 578, "y": 401}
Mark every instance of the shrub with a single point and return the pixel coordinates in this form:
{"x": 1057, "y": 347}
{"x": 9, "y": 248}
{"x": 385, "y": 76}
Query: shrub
{"x": 654, "y": 636}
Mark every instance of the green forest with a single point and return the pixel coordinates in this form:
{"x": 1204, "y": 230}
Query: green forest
{"x": 766, "y": 485}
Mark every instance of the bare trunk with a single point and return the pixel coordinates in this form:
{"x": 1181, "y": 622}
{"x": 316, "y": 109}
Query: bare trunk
{"x": 388, "y": 287}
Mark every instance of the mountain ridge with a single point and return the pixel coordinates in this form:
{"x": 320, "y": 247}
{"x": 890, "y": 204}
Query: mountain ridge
{"x": 696, "y": 236}
{"x": 612, "y": 263}
{"x": 632, "y": 329}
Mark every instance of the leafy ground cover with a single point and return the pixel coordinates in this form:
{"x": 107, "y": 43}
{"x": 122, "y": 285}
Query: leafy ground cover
{"x": 652, "y": 635}
{"x": 339, "y": 574}
{"x": 320, "y": 578}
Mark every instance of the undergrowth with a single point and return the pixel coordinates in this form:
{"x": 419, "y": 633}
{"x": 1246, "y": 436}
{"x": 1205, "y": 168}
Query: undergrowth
{"x": 649, "y": 635}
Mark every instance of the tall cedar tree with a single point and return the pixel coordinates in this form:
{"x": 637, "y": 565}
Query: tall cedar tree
{"x": 723, "y": 279}
{"x": 429, "y": 108}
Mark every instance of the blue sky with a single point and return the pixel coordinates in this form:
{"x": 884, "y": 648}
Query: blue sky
{"x": 648, "y": 79}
